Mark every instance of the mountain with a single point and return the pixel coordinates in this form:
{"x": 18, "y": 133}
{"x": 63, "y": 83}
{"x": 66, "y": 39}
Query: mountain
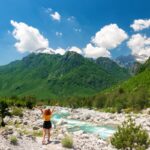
{"x": 125, "y": 61}
{"x": 56, "y": 76}
{"x": 129, "y": 63}
{"x": 112, "y": 67}
{"x": 133, "y": 93}
{"x": 145, "y": 66}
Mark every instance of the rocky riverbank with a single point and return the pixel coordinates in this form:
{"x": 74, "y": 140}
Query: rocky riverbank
{"x": 28, "y": 130}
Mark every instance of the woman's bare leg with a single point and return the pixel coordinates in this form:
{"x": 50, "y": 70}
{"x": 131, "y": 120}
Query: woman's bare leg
{"x": 44, "y": 134}
{"x": 49, "y": 134}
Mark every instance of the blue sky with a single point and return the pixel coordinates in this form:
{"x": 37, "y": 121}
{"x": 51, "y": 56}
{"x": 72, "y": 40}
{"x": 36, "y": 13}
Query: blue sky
{"x": 87, "y": 17}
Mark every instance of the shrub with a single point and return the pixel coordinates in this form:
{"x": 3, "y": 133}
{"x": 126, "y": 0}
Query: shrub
{"x": 13, "y": 140}
{"x": 130, "y": 136}
{"x": 99, "y": 101}
{"x": 109, "y": 109}
{"x": 29, "y": 101}
{"x": 67, "y": 141}
{"x": 4, "y": 111}
{"x": 29, "y": 104}
{"x": 120, "y": 90}
{"x": 129, "y": 110}
{"x": 17, "y": 111}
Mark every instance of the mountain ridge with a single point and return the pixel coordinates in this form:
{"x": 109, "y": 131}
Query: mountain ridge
{"x": 132, "y": 94}
{"x": 44, "y": 75}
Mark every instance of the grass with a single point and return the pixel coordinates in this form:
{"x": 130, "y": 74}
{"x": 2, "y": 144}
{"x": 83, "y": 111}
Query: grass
{"x": 24, "y": 132}
{"x": 10, "y": 123}
{"x": 13, "y": 140}
{"x": 17, "y": 125}
{"x": 67, "y": 141}
{"x": 17, "y": 111}
{"x": 37, "y": 133}
{"x": 109, "y": 110}
{"x": 33, "y": 133}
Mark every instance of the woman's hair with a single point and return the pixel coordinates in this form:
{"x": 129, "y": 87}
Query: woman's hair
{"x": 47, "y": 112}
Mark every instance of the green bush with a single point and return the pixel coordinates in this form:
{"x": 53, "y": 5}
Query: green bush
{"x": 130, "y": 136}
{"x": 109, "y": 110}
{"x": 30, "y": 104}
{"x": 67, "y": 141}
{"x": 99, "y": 101}
{"x": 129, "y": 110}
{"x": 17, "y": 111}
{"x": 29, "y": 101}
{"x": 13, "y": 140}
{"x": 4, "y": 111}
{"x": 121, "y": 90}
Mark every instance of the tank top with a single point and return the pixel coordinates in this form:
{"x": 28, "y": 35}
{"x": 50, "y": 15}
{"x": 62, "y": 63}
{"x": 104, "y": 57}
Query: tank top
{"x": 46, "y": 117}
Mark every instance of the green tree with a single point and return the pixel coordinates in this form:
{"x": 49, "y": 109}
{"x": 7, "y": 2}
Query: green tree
{"x": 130, "y": 136}
{"x": 121, "y": 90}
{"x": 29, "y": 101}
{"x": 4, "y": 111}
{"x": 99, "y": 101}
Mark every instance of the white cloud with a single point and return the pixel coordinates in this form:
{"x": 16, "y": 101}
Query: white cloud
{"x": 77, "y": 30}
{"x": 140, "y": 24}
{"x": 48, "y": 10}
{"x": 140, "y": 46}
{"x": 95, "y": 52}
{"x": 109, "y": 37}
{"x": 71, "y": 18}
{"x": 59, "y": 34}
{"x": 45, "y": 50}
{"x": 75, "y": 49}
{"x": 28, "y": 38}
{"x": 56, "y": 16}
{"x": 60, "y": 51}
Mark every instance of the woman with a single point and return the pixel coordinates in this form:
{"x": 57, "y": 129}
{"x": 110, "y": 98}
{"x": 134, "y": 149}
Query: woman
{"x": 47, "y": 125}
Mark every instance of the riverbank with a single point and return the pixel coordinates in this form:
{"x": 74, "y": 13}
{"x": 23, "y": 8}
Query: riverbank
{"x": 28, "y": 129}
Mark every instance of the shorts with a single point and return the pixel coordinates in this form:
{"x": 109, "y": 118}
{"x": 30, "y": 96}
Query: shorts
{"x": 47, "y": 124}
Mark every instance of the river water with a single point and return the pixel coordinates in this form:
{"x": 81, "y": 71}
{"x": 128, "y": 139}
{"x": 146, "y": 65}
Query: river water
{"x": 76, "y": 125}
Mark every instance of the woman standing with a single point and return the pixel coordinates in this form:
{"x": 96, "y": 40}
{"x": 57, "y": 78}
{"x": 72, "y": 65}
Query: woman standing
{"x": 47, "y": 125}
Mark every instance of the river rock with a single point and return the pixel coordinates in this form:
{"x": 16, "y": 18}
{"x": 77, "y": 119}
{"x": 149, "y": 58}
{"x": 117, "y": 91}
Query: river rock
{"x": 25, "y": 123}
{"x": 61, "y": 122}
{"x": 78, "y": 133}
{"x": 17, "y": 134}
{"x": 7, "y": 119}
{"x": 60, "y": 136}
{"x": 36, "y": 128}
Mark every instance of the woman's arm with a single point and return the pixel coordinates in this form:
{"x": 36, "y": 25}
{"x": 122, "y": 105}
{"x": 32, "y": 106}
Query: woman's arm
{"x": 54, "y": 108}
{"x": 41, "y": 110}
